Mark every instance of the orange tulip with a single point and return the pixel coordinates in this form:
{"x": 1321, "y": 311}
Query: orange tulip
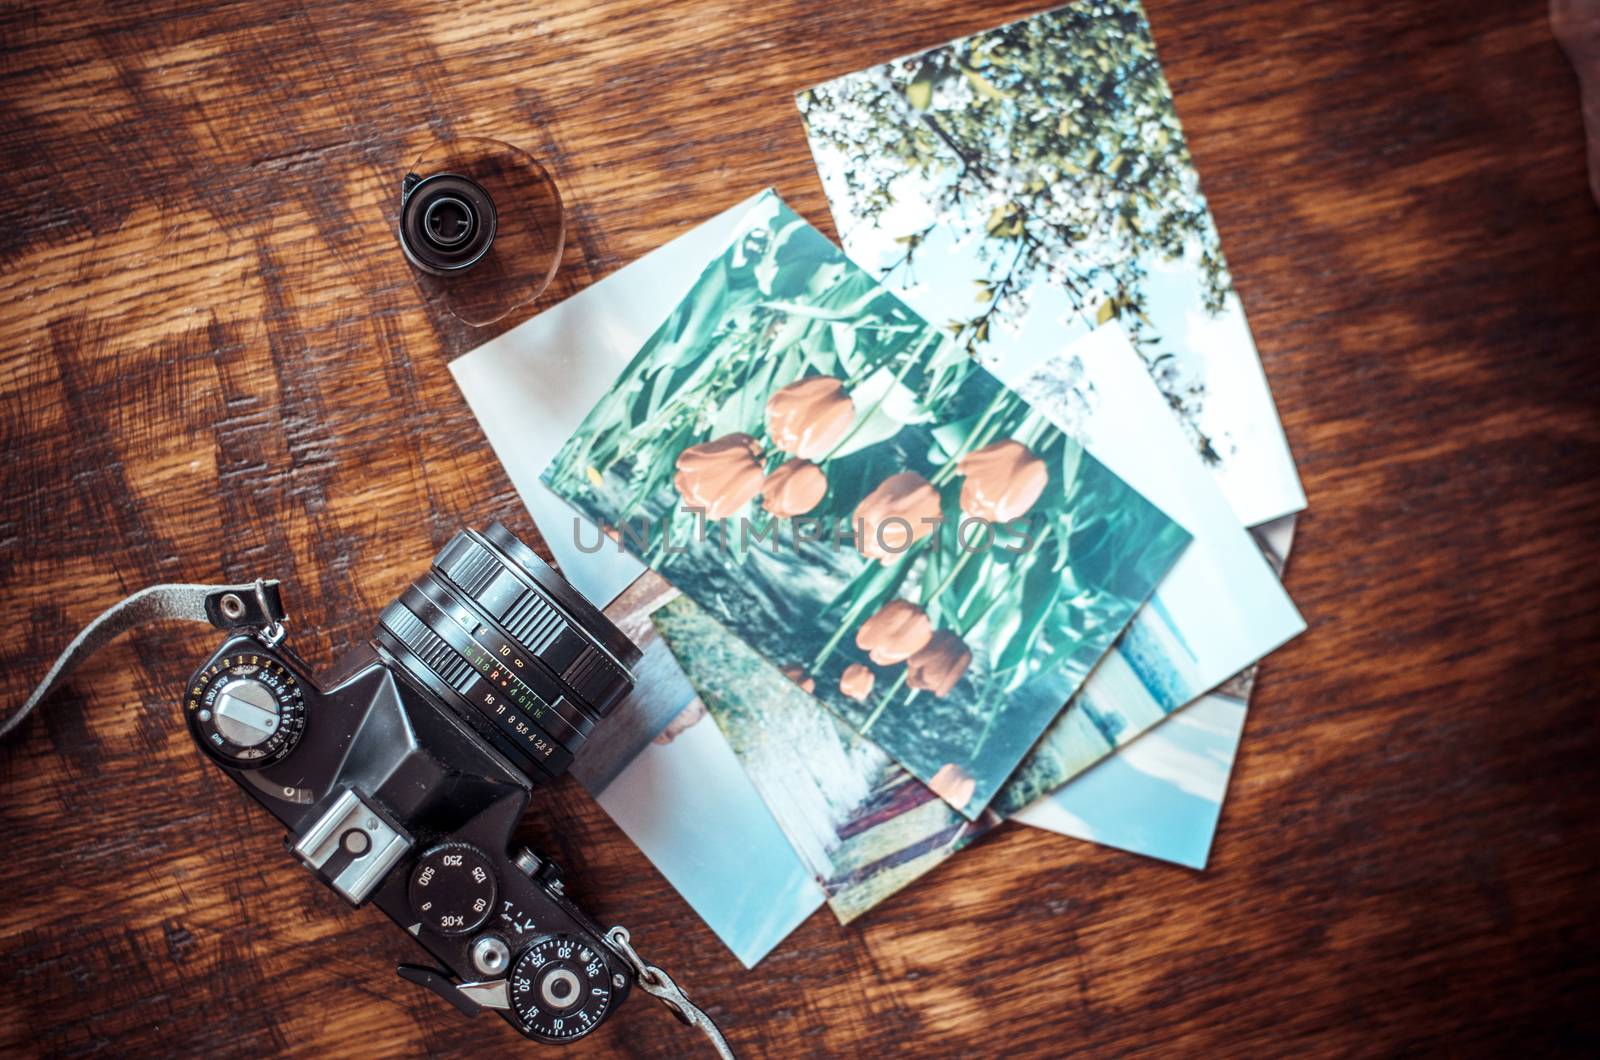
{"x": 796, "y": 487}
{"x": 856, "y": 682}
{"x": 797, "y": 674}
{"x": 1004, "y": 479}
{"x": 720, "y": 477}
{"x": 806, "y": 419}
{"x": 895, "y": 516}
{"x": 953, "y": 785}
{"x": 895, "y": 633}
{"x": 939, "y": 665}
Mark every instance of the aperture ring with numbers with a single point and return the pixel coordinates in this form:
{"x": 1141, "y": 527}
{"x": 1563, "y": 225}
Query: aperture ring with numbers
{"x": 536, "y": 618}
{"x": 429, "y": 594}
{"x": 498, "y": 682}
{"x": 441, "y": 671}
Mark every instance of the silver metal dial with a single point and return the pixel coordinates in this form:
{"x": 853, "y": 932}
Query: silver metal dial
{"x": 246, "y": 712}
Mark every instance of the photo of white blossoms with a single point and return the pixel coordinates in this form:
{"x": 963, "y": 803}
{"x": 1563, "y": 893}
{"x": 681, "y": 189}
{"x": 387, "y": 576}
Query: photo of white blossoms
{"x": 1028, "y": 184}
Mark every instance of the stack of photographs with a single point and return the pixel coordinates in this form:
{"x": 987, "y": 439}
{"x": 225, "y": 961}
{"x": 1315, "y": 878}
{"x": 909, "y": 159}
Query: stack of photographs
{"x": 867, "y": 506}
{"x": 981, "y": 516}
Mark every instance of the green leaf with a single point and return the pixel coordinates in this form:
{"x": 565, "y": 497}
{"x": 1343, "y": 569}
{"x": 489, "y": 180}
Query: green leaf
{"x": 872, "y": 585}
{"x": 1041, "y": 591}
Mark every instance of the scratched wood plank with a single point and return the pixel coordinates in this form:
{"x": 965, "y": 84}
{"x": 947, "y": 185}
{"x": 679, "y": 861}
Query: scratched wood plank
{"x": 216, "y": 365}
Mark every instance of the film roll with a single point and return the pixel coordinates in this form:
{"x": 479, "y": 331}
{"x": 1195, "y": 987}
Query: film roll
{"x": 482, "y": 224}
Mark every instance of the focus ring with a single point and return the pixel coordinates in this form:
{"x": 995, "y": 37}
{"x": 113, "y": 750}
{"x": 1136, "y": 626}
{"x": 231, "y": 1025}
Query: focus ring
{"x": 534, "y": 620}
{"x": 511, "y": 728}
{"x": 544, "y": 705}
{"x": 428, "y": 647}
{"x": 497, "y": 637}
{"x": 588, "y": 617}
{"x": 461, "y": 615}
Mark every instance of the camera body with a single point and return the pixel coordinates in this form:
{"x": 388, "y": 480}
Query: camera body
{"x": 402, "y": 780}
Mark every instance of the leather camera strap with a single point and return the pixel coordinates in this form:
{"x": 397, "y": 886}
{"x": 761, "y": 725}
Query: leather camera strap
{"x": 227, "y": 607}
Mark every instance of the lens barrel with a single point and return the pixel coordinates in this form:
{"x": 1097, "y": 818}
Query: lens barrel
{"x": 498, "y": 636}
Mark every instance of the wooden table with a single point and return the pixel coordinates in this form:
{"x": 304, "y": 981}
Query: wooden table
{"x": 217, "y": 365}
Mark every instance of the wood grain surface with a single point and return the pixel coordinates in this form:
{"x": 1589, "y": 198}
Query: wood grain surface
{"x": 217, "y": 365}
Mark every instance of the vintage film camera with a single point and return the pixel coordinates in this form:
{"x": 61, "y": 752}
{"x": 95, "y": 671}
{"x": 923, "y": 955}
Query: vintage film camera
{"x": 402, "y": 778}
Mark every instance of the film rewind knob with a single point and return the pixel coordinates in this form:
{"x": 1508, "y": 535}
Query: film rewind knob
{"x": 246, "y": 711}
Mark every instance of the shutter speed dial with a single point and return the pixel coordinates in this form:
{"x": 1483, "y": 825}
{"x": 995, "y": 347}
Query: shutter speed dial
{"x": 452, "y": 888}
{"x": 247, "y": 710}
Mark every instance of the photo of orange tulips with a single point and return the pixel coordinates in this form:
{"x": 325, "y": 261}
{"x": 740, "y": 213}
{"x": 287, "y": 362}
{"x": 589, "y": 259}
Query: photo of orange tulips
{"x": 845, "y": 489}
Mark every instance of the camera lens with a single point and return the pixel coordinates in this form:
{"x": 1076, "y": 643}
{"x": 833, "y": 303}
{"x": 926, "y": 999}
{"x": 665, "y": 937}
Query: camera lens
{"x": 501, "y": 639}
{"x": 447, "y": 222}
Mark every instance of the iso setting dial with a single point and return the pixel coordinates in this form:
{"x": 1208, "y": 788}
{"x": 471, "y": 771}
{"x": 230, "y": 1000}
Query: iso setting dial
{"x": 560, "y": 989}
{"x": 452, "y": 888}
{"x": 246, "y": 709}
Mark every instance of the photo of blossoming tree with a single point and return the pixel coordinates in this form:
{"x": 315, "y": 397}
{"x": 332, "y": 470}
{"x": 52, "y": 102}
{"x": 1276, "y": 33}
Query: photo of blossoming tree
{"x": 1024, "y": 185}
{"x": 846, "y": 490}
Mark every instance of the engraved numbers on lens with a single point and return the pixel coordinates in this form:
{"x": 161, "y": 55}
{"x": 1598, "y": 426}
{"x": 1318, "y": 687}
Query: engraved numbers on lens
{"x": 560, "y": 988}
{"x": 246, "y": 709}
{"x": 452, "y": 888}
